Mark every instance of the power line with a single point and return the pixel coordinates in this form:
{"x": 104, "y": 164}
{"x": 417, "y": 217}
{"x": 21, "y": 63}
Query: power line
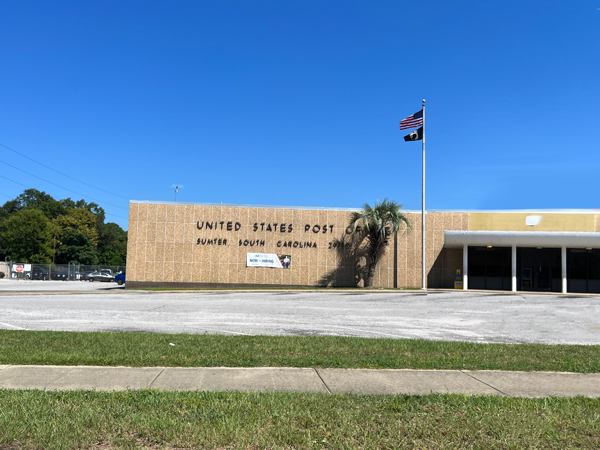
{"x": 63, "y": 174}
{"x": 114, "y": 215}
{"x": 25, "y": 186}
{"x": 62, "y": 187}
{"x": 2, "y": 176}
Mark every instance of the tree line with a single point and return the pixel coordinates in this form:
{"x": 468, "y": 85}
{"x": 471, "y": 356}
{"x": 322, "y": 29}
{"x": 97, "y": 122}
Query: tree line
{"x": 34, "y": 223}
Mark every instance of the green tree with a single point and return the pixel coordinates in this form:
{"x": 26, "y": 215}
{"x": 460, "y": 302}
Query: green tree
{"x": 81, "y": 220}
{"x": 76, "y": 248}
{"x": 374, "y": 227}
{"x": 113, "y": 259}
{"x": 91, "y": 207}
{"x": 109, "y": 240}
{"x": 112, "y": 244}
{"x": 34, "y": 199}
{"x": 26, "y": 236}
{"x": 8, "y": 209}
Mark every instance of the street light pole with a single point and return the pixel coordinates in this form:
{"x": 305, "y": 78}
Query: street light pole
{"x": 54, "y": 252}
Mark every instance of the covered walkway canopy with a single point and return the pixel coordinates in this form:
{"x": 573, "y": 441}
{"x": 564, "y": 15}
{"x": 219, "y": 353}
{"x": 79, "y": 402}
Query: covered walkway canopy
{"x": 529, "y": 260}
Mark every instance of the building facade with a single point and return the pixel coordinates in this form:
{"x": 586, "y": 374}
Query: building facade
{"x": 194, "y": 244}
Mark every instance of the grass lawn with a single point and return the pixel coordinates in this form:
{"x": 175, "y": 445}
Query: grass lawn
{"x": 152, "y": 419}
{"x": 156, "y": 419}
{"x": 142, "y": 349}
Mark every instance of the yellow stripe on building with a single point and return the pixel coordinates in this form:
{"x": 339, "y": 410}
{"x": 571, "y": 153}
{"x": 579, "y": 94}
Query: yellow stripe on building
{"x": 545, "y": 222}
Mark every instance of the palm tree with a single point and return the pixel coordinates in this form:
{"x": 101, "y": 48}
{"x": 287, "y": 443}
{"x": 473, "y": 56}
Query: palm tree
{"x": 374, "y": 226}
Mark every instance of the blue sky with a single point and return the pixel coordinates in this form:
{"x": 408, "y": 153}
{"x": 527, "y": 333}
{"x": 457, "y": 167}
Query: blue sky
{"x": 298, "y": 103}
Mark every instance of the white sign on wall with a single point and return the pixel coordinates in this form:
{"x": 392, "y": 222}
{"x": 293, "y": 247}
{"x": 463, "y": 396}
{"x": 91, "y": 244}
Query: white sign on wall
{"x": 532, "y": 221}
{"x": 263, "y": 260}
{"x": 21, "y": 267}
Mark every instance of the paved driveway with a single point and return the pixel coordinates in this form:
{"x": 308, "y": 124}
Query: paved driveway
{"x": 25, "y": 286}
{"x": 439, "y": 315}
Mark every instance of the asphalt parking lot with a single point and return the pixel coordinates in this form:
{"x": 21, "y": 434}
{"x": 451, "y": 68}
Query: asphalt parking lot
{"x": 37, "y": 286}
{"x": 436, "y": 315}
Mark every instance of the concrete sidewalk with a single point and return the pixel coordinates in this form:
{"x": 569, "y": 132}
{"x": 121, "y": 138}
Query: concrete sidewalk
{"x": 287, "y": 379}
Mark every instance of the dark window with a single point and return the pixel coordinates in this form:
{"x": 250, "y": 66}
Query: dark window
{"x": 583, "y": 270}
{"x": 489, "y": 268}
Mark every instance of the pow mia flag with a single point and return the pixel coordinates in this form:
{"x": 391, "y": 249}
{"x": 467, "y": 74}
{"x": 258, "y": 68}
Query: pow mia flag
{"x": 416, "y": 135}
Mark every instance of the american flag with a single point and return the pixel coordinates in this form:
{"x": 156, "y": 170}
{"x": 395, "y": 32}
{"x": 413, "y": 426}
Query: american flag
{"x": 416, "y": 120}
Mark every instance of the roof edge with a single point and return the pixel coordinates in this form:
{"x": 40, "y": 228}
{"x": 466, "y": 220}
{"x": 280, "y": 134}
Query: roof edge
{"x": 575, "y": 239}
{"x": 232, "y": 205}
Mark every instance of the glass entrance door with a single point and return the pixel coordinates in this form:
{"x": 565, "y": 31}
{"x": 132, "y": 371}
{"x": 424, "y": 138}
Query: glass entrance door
{"x": 489, "y": 268}
{"x": 538, "y": 269}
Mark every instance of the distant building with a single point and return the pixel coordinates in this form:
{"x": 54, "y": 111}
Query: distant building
{"x": 195, "y": 244}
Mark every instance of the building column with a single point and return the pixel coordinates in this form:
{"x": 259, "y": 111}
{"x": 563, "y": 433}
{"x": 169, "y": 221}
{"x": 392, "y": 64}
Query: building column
{"x": 563, "y": 258}
{"x": 513, "y": 268}
{"x": 465, "y": 266}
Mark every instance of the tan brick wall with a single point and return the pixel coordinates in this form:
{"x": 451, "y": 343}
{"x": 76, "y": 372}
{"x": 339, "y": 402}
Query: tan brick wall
{"x": 443, "y": 263}
{"x": 166, "y": 246}
{"x": 409, "y": 255}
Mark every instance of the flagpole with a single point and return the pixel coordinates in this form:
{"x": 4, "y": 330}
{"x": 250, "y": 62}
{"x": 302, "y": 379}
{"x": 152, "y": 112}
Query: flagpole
{"x": 423, "y": 262}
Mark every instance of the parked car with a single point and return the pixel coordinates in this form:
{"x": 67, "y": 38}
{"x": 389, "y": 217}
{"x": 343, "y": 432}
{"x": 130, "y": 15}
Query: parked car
{"x": 59, "y": 276}
{"x": 40, "y": 274}
{"x": 84, "y": 275}
{"x": 100, "y": 276}
{"x": 120, "y": 278}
